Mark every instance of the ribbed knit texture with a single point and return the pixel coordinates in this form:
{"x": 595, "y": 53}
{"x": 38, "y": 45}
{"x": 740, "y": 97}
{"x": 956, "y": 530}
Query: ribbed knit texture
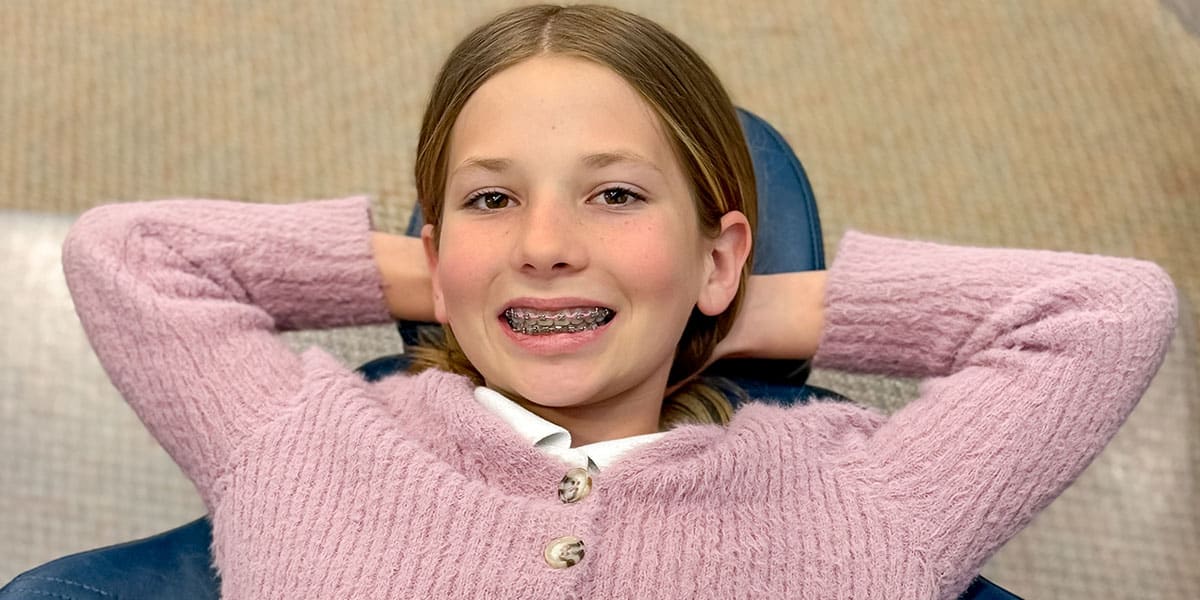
{"x": 321, "y": 485}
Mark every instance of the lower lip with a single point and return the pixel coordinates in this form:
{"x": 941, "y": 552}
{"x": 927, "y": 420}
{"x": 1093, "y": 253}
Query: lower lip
{"x": 554, "y": 343}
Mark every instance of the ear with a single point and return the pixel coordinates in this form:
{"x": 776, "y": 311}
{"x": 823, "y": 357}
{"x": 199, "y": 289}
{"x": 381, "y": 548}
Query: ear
{"x": 431, "y": 259}
{"x": 724, "y": 265}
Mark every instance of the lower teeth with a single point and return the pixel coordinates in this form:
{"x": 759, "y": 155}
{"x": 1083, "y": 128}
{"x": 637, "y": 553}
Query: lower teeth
{"x": 552, "y": 329}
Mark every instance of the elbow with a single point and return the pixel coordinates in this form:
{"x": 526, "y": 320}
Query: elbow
{"x": 97, "y": 226}
{"x": 99, "y": 240}
{"x": 1143, "y": 299}
{"x": 1138, "y": 335}
{"x": 1129, "y": 310}
{"x": 85, "y": 237}
{"x": 1135, "y": 299}
{"x": 1110, "y": 311}
{"x": 1156, "y": 306}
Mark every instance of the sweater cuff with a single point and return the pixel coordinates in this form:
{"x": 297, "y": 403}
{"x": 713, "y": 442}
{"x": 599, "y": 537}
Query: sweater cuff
{"x": 903, "y": 307}
{"x": 325, "y": 274}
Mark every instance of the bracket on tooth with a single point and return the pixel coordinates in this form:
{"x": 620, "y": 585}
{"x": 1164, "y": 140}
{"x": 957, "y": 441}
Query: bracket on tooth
{"x": 535, "y": 322}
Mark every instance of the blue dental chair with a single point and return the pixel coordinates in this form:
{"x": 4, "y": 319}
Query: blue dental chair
{"x": 177, "y": 563}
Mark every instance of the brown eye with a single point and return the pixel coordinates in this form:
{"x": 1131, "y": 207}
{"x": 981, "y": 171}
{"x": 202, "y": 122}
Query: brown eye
{"x": 488, "y": 200}
{"x": 619, "y": 196}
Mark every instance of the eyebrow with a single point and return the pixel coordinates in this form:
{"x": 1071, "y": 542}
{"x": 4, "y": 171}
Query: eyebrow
{"x": 604, "y": 159}
{"x": 597, "y": 160}
{"x": 495, "y": 165}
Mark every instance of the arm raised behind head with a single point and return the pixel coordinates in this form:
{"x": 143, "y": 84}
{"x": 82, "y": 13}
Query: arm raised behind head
{"x": 182, "y": 300}
{"x": 1030, "y": 361}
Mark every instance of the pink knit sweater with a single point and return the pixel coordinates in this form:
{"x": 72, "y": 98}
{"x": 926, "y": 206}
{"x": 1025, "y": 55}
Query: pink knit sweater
{"x": 321, "y": 485}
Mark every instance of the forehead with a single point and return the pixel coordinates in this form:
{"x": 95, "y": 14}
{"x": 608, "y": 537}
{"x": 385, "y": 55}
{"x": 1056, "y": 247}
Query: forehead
{"x": 558, "y": 106}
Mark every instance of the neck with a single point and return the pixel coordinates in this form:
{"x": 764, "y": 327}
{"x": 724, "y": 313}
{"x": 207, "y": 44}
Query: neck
{"x": 633, "y": 412}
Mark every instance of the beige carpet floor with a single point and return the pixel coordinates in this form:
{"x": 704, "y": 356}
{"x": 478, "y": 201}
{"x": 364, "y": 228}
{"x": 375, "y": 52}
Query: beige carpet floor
{"x": 1057, "y": 124}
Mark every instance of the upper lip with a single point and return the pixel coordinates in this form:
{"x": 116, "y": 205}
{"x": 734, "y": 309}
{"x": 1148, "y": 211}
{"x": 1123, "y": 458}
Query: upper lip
{"x": 552, "y": 303}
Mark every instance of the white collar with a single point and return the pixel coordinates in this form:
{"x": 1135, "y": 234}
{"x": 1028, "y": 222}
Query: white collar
{"x": 556, "y": 440}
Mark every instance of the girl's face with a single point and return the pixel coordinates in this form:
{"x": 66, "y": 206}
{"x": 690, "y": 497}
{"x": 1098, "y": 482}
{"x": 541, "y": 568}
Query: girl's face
{"x": 570, "y": 255}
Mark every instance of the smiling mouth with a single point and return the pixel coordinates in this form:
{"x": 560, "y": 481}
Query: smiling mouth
{"x": 531, "y": 321}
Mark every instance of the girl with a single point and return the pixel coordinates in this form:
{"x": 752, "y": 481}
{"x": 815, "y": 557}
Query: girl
{"x": 590, "y": 208}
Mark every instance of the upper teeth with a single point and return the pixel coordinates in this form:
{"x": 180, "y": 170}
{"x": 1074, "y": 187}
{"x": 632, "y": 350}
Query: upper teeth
{"x": 568, "y": 320}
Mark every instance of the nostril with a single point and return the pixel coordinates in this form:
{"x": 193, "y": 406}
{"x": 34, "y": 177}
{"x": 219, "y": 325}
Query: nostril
{"x": 546, "y": 255}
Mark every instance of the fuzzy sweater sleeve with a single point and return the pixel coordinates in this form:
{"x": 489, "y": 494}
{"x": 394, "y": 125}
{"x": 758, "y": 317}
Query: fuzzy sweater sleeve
{"x": 181, "y": 301}
{"x": 1030, "y": 362}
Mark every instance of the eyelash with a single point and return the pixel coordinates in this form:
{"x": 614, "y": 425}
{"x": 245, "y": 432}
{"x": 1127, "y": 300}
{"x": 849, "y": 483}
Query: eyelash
{"x": 474, "y": 199}
{"x": 625, "y": 192}
{"x": 477, "y": 196}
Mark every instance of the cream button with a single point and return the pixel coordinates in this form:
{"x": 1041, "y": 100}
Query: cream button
{"x": 564, "y": 552}
{"x": 575, "y": 485}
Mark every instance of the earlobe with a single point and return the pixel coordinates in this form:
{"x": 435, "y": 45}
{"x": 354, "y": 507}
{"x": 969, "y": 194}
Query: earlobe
{"x": 431, "y": 260}
{"x": 730, "y": 251}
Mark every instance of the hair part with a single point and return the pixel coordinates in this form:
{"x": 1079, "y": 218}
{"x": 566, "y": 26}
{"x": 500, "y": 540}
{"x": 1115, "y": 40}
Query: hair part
{"x": 698, "y": 118}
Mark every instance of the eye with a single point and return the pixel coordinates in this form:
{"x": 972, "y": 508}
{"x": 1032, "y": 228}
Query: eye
{"x": 619, "y": 196}
{"x": 488, "y": 200}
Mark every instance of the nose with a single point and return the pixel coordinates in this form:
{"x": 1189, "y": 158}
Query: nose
{"x": 548, "y": 239}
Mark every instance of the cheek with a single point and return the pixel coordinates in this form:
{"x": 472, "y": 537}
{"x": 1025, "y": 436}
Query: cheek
{"x": 463, "y": 271}
{"x": 659, "y": 256}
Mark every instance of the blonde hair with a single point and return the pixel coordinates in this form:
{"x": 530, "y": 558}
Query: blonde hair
{"x": 699, "y": 119}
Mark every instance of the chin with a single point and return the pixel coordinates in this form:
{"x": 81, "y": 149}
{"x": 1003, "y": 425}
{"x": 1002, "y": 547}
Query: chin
{"x": 556, "y": 395}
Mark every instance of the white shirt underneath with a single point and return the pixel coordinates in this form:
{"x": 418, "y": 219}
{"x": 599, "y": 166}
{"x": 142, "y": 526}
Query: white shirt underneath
{"x": 555, "y": 440}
